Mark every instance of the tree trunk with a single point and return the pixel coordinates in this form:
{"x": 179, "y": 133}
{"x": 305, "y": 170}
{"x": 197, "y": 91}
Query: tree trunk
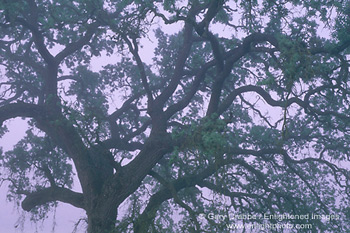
{"x": 99, "y": 222}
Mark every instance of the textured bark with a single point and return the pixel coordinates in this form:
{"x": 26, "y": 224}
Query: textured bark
{"x": 99, "y": 222}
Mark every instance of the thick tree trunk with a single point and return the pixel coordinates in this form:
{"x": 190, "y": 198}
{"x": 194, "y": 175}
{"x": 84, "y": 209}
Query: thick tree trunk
{"x": 99, "y": 222}
{"x": 112, "y": 189}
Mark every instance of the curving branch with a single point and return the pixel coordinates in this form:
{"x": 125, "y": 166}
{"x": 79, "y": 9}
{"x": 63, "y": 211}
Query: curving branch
{"x": 235, "y": 55}
{"x": 230, "y": 58}
{"x": 20, "y": 109}
{"x": 183, "y": 54}
{"x": 126, "y": 106}
{"x": 52, "y": 194}
{"x": 202, "y": 30}
{"x": 334, "y": 50}
{"x": 283, "y": 104}
{"x": 266, "y": 96}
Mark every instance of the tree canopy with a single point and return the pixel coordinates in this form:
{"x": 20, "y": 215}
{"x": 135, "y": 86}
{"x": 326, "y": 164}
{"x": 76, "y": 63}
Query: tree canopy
{"x": 242, "y": 109}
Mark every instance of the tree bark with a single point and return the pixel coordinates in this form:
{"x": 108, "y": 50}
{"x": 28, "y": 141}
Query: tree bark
{"x": 99, "y": 222}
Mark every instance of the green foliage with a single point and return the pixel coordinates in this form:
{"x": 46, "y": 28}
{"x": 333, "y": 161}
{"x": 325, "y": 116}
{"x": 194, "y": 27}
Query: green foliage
{"x": 273, "y": 140}
{"x": 208, "y": 137}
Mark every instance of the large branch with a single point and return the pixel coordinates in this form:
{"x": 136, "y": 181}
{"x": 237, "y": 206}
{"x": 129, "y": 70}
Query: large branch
{"x": 283, "y": 104}
{"x": 126, "y": 106}
{"x": 266, "y": 96}
{"x": 178, "y": 71}
{"x": 203, "y": 30}
{"x": 235, "y": 55}
{"x": 32, "y": 25}
{"x": 155, "y": 147}
{"x": 213, "y": 9}
{"x": 231, "y": 57}
{"x": 52, "y": 194}
{"x": 20, "y": 109}
{"x": 50, "y": 76}
{"x": 63, "y": 134}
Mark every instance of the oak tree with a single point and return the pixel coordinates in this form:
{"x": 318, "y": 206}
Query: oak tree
{"x": 243, "y": 110}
